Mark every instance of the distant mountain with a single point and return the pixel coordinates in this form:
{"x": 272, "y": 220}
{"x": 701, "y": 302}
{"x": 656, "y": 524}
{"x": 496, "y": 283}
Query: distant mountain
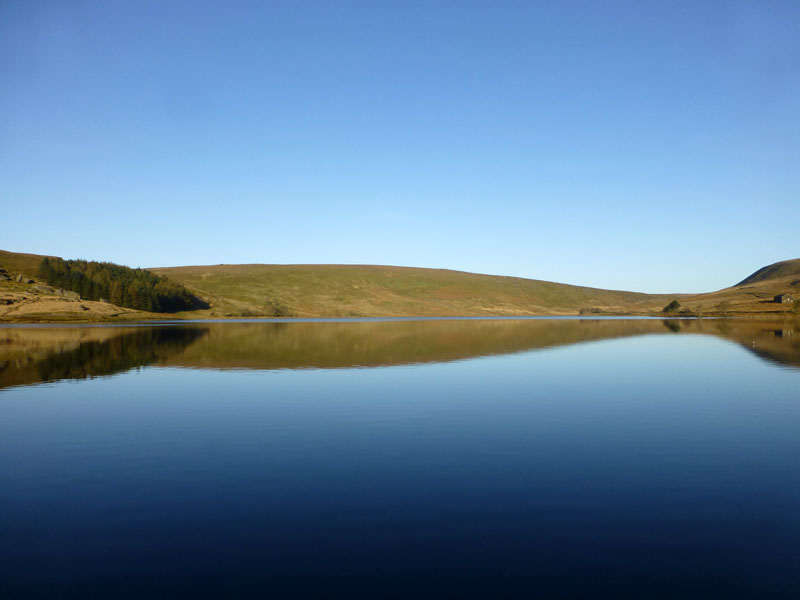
{"x": 784, "y": 268}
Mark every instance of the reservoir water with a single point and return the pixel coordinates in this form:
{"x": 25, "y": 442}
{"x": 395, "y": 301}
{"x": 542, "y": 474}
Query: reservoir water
{"x": 549, "y": 458}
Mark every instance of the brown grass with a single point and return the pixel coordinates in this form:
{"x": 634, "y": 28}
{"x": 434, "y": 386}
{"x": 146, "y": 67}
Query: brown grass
{"x": 388, "y": 291}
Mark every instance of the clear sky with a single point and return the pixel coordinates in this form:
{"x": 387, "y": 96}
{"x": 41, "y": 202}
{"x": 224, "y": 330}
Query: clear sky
{"x": 652, "y": 146}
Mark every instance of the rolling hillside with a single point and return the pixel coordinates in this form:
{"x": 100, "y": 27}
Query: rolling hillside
{"x": 753, "y": 295}
{"x": 779, "y": 270}
{"x": 387, "y": 291}
{"x": 374, "y": 291}
{"x": 19, "y": 262}
{"x": 368, "y": 290}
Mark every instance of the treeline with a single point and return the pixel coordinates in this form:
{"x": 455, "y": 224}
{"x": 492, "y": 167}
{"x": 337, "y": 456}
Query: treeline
{"x": 123, "y": 286}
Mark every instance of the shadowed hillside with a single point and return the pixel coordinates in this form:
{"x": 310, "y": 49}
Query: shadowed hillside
{"x": 778, "y": 270}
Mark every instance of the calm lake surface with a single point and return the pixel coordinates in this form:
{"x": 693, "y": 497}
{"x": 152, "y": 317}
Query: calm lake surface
{"x": 546, "y": 458}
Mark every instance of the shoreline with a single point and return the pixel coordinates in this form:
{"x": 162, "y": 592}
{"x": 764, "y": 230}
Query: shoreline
{"x": 154, "y": 319}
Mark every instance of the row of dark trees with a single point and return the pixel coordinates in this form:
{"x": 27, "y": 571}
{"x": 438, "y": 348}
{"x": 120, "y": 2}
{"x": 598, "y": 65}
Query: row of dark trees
{"x": 123, "y": 286}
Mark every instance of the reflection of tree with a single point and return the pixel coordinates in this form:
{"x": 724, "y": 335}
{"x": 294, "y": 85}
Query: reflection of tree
{"x": 39, "y": 354}
{"x": 137, "y": 348}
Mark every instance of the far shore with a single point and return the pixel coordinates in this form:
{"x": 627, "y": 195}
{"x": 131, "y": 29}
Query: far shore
{"x": 29, "y": 293}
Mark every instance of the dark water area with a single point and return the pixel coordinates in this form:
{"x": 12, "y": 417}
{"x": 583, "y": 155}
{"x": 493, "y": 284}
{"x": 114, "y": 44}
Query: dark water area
{"x": 553, "y": 458}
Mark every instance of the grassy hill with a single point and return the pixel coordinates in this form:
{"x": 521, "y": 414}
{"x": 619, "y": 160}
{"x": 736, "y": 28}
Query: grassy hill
{"x": 32, "y": 300}
{"x": 753, "y": 295}
{"x": 387, "y": 291}
{"x": 778, "y": 270}
{"x": 368, "y": 290}
{"x": 19, "y": 262}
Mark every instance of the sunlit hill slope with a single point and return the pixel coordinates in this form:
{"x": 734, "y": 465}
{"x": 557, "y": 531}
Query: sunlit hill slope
{"x": 387, "y": 291}
{"x": 368, "y": 290}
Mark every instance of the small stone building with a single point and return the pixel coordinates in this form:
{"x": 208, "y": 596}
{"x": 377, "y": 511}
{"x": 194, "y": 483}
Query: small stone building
{"x": 783, "y": 298}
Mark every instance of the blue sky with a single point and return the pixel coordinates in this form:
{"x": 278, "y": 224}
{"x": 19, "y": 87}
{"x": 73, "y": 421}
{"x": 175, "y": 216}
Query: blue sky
{"x": 650, "y": 146}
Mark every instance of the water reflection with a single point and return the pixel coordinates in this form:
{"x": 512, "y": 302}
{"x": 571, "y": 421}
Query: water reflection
{"x": 37, "y": 354}
{"x": 44, "y": 354}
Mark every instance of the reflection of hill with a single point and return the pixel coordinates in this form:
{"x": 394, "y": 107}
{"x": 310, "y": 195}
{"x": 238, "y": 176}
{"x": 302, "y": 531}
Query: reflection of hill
{"x": 365, "y": 344}
{"x": 368, "y": 344}
{"x": 48, "y": 354}
{"x": 775, "y": 341}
